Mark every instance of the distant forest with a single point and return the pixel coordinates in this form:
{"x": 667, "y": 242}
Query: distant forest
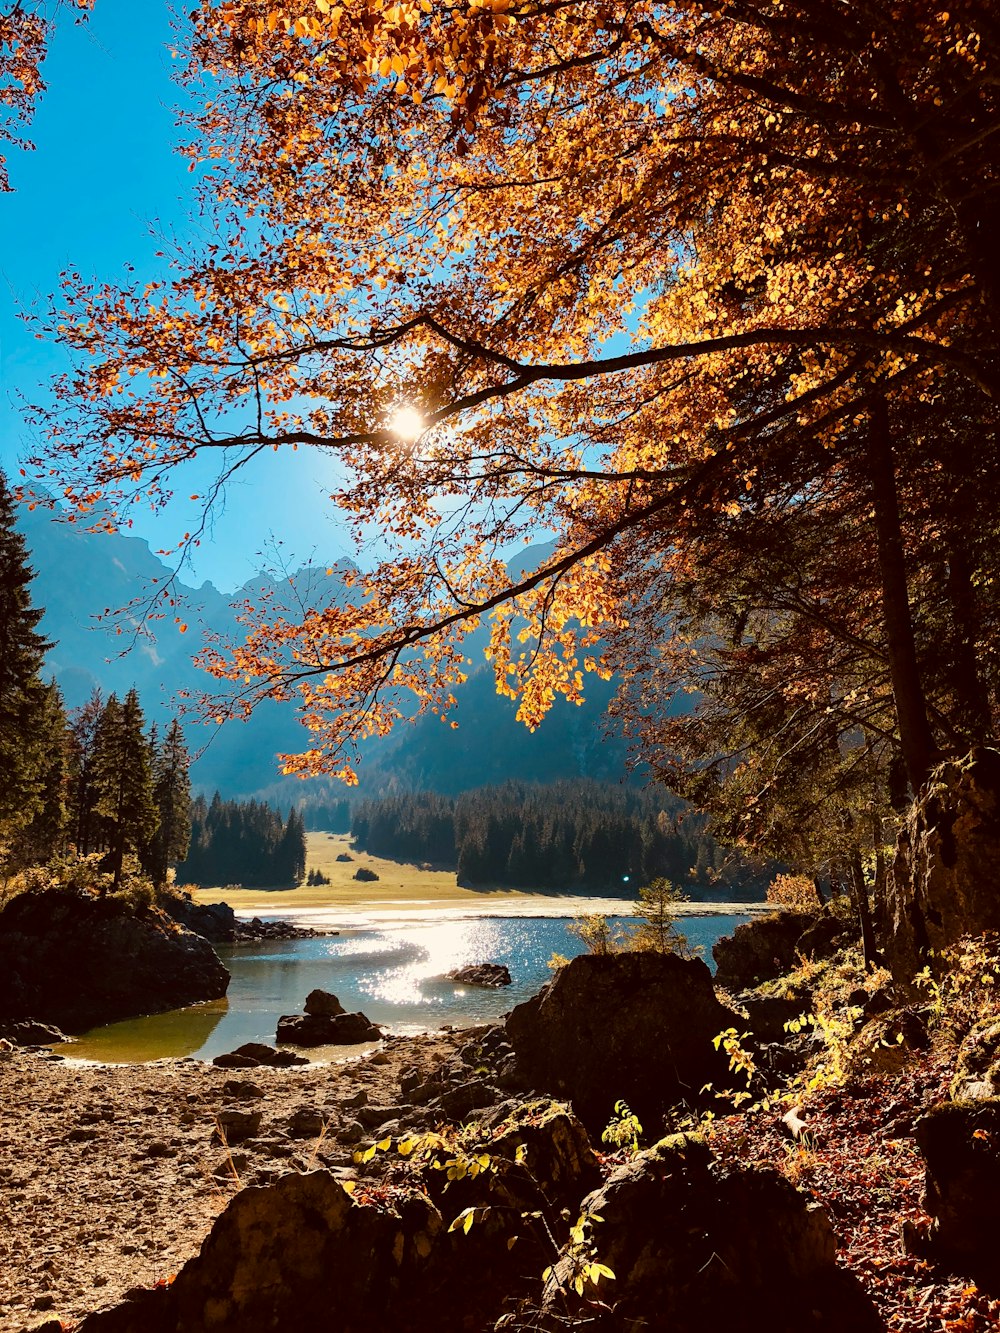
{"x": 243, "y": 842}
{"x": 565, "y": 835}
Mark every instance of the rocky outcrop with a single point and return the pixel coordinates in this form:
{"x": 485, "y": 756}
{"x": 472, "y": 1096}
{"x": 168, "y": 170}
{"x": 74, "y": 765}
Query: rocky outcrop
{"x": 760, "y": 950}
{"x": 635, "y": 1026}
{"x": 213, "y": 921}
{"x": 943, "y": 881}
{"x": 78, "y": 961}
{"x": 253, "y": 1054}
{"x": 325, "y": 1030}
{"x": 960, "y": 1142}
{"x": 481, "y": 974}
{"x": 695, "y": 1244}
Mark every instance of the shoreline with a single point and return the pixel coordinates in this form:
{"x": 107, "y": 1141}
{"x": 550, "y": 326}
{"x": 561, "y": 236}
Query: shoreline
{"x": 411, "y": 892}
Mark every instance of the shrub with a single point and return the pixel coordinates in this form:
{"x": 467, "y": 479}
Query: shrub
{"x": 795, "y": 891}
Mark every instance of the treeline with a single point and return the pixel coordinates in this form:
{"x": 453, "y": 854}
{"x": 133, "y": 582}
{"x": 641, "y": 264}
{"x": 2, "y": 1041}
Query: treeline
{"x": 244, "y": 842}
{"x": 566, "y": 835}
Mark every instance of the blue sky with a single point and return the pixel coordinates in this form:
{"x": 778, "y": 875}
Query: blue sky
{"x": 102, "y": 184}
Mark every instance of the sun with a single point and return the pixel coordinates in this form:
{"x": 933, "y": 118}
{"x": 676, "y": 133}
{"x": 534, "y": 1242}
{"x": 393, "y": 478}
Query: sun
{"x": 407, "y": 423}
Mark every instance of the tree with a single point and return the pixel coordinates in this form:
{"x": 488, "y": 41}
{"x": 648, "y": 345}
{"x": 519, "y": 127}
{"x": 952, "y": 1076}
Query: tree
{"x": 25, "y": 30}
{"x": 124, "y": 782}
{"x": 172, "y": 799}
{"x": 656, "y": 910}
{"x": 689, "y": 287}
{"x": 26, "y": 722}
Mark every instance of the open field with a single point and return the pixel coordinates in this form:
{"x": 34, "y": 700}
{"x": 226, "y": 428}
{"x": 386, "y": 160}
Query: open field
{"x": 399, "y": 885}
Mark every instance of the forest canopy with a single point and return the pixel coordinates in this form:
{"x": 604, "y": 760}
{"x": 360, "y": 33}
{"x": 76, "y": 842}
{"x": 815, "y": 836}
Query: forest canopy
{"x": 709, "y": 294}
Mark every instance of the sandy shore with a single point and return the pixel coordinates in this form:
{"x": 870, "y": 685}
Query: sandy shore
{"x": 407, "y": 889}
{"x": 111, "y": 1175}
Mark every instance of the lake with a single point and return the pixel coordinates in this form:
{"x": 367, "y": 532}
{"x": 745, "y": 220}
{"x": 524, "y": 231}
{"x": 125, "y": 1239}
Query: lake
{"x": 393, "y": 969}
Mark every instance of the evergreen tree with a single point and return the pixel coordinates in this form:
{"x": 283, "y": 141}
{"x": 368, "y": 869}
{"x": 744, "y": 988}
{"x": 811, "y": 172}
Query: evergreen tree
{"x": 45, "y": 834}
{"x": 124, "y": 781}
{"x": 172, "y": 798}
{"x": 84, "y": 822}
{"x": 23, "y": 699}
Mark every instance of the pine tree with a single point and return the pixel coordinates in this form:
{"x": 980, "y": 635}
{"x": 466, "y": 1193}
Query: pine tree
{"x": 23, "y": 697}
{"x": 45, "y": 834}
{"x": 172, "y": 798}
{"x": 124, "y": 781}
{"x": 84, "y": 724}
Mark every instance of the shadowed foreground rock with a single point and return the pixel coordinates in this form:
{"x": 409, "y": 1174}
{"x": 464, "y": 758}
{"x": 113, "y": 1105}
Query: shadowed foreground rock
{"x": 325, "y": 1030}
{"x": 960, "y": 1142}
{"x": 78, "y": 961}
{"x": 636, "y": 1026}
{"x": 697, "y": 1245}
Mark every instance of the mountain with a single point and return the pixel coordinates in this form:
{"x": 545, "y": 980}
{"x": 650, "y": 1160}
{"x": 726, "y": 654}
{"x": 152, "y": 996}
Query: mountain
{"x": 82, "y": 577}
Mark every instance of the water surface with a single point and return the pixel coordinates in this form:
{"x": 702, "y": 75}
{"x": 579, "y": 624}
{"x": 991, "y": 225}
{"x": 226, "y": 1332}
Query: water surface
{"x": 393, "y": 970}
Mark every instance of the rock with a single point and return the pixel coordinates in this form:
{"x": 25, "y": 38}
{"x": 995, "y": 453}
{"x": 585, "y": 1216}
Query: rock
{"x": 696, "y": 1244}
{"x": 213, "y": 921}
{"x": 306, "y": 1123}
{"x": 29, "y": 1032}
{"x": 252, "y": 1054}
{"x": 235, "y": 1124}
{"x": 231, "y": 1060}
{"x": 460, "y": 1102}
{"x": 323, "y": 1004}
{"x": 942, "y": 883}
{"x": 960, "y": 1142}
{"x": 77, "y": 961}
{"x": 481, "y": 974}
{"x": 365, "y": 875}
{"x": 241, "y": 1089}
{"x": 298, "y": 1255}
{"x": 889, "y": 1043}
{"x": 977, "y": 1069}
{"x": 373, "y": 1116}
{"x": 319, "y": 1030}
{"x": 825, "y": 936}
{"x": 632, "y": 1026}
{"x": 759, "y": 950}
{"x": 556, "y": 1149}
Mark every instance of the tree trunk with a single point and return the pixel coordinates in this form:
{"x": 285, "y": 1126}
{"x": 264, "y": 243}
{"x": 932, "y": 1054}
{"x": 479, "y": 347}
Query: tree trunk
{"x": 916, "y": 741}
{"x": 859, "y": 892}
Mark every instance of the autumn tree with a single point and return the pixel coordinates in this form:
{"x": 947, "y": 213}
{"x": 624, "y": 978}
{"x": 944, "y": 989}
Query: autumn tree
{"x": 25, "y": 31}
{"x": 684, "y": 287}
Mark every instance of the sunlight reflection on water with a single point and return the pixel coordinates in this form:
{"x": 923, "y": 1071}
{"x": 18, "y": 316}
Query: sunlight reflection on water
{"x": 394, "y": 971}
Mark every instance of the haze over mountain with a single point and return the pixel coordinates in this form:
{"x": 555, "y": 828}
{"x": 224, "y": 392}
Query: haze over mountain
{"x": 80, "y": 576}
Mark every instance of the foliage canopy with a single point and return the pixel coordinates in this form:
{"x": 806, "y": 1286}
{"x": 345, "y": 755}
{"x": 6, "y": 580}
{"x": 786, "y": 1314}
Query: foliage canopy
{"x": 707, "y": 293}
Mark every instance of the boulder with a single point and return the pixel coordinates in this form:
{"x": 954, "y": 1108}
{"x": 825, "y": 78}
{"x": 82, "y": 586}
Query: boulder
{"x": 759, "y": 950}
{"x": 942, "y": 882}
{"x": 296, "y": 1255}
{"x": 697, "y": 1244}
{"x": 213, "y": 921}
{"x": 960, "y": 1142}
{"x": 325, "y": 1030}
{"x": 29, "y": 1032}
{"x": 632, "y": 1026}
{"x": 77, "y": 961}
{"x": 322, "y": 1003}
{"x": 481, "y": 974}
